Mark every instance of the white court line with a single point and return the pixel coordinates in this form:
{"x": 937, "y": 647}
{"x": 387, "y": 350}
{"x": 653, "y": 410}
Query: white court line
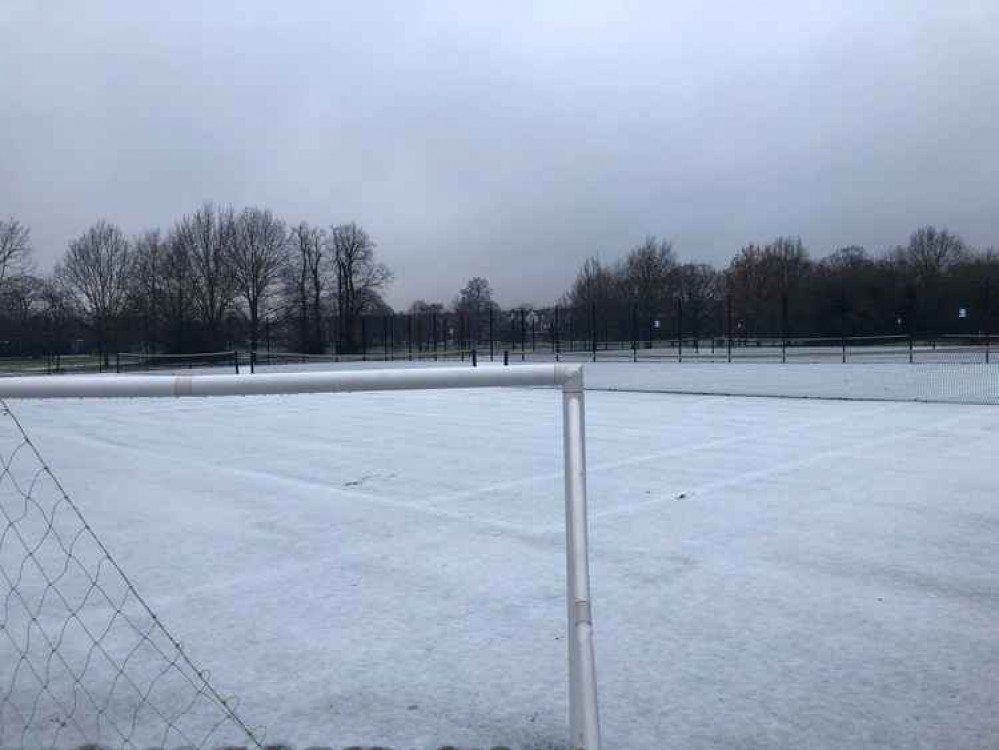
{"x": 784, "y": 467}
{"x": 668, "y": 453}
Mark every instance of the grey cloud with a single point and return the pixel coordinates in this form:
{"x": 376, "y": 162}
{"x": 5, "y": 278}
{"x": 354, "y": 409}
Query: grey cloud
{"x": 509, "y": 141}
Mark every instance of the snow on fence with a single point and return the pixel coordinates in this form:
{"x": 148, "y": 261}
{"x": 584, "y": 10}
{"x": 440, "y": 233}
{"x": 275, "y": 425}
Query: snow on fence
{"x": 84, "y": 659}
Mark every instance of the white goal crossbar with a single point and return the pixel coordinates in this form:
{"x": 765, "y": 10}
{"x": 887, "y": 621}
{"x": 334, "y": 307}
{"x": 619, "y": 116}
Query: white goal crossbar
{"x": 584, "y": 727}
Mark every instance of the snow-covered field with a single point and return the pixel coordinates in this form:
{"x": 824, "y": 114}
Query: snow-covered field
{"x": 388, "y": 568}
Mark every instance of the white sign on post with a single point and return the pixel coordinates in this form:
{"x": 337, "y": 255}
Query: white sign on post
{"x": 962, "y": 312}
{"x": 655, "y": 324}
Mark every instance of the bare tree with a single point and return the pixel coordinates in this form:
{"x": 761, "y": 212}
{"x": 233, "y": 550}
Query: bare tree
{"x": 15, "y": 248}
{"x": 931, "y": 251}
{"x": 761, "y": 280}
{"x": 258, "y": 253}
{"x": 359, "y": 277}
{"x": 475, "y": 298}
{"x": 787, "y": 264}
{"x": 422, "y": 307}
{"x": 700, "y": 287}
{"x": 58, "y": 311}
{"x": 207, "y": 237}
{"x": 595, "y": 284}
{"x": 149, "y": 251}
{"x": 20, "y": 324}
{"x": 647, "y": 276}
{"x": 307, "y": 280}
{"x": 21, "y": 297}
{"x": 930, "y": 255}
{"x": 177, "y": 288}
{"x": 474, "y": 305}
{"x": 96, "y": 271}
{"x": 746, "y": 285}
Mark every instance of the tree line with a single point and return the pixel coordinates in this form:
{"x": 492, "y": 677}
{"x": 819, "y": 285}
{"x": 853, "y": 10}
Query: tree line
{"x": 213, "y": 280}
{"x": 933, "y": 284}
{"x": 221, "y": 278}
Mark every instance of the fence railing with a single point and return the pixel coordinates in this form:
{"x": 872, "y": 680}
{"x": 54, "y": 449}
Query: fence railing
{"x": 944, "y": 348}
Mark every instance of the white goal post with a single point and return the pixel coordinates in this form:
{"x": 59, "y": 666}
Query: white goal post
{"x": 584, "y": 726}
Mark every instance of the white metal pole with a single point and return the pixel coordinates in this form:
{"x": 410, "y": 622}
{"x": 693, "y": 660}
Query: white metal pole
{"x": 584, "y": 724}
{"x": 336, "y": 381}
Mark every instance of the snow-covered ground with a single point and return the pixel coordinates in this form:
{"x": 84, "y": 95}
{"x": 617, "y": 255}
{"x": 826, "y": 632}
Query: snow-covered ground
{"x": 388, "y": 568}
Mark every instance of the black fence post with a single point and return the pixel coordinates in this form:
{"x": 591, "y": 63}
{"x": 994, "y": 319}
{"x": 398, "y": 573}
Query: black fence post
{"x": 695, "y": 325}
{"x": 117, "y": 362}
{"x": 593, "y": 329}
{"x": 988, "y": 317}
{"x": 490, "y": 333}
{"x": 783, "y": 327}
{"x": 728, "y": 304}
{"x": 475, "y": 357}
{"x": 843, "y": 326}
{"x": 679, "y": 329}
{"x": 555, "y": 335}
{"x": 433, "y": 326}
{"x": 634, "y": 332}
{"x": 409, "y": 335}
{"x": 506, "y": 357}
{"x": 235, "y": 358}
{"x": 523, "y": 334}
{"x": 910, "y": 316}
{"x": 253, "y": 361}
{"x": 720, "y": 331}
{"x": 364, "y": 339}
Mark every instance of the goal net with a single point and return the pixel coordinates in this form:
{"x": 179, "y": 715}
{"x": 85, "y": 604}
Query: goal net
{"x": 84, "y": 658}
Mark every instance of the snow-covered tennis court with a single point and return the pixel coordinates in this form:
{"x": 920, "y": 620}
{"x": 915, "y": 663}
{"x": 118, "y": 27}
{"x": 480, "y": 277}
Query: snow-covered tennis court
{"x": 389, "y": 569}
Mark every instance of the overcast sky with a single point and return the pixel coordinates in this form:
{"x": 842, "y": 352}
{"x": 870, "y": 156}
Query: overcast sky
{"x": 502, "y": 139}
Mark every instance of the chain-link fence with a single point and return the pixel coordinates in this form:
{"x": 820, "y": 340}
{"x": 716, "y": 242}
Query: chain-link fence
{"x": 599, "y": 334}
